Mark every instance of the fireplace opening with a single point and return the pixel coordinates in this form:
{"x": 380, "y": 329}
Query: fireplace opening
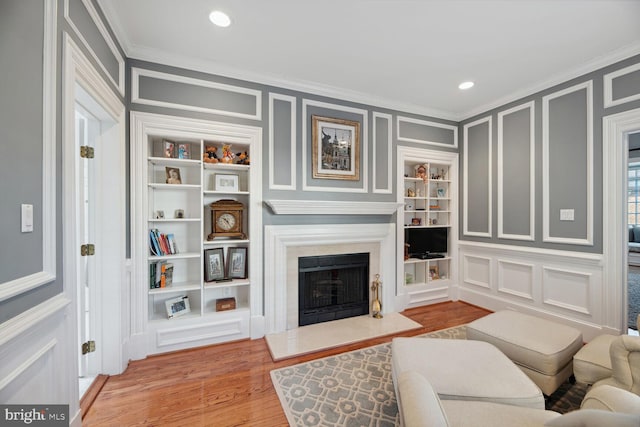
{"x": 332, "y": 287}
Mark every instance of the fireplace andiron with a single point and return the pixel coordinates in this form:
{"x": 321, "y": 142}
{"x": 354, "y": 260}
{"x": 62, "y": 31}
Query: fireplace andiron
{"x": 376, "y": 306}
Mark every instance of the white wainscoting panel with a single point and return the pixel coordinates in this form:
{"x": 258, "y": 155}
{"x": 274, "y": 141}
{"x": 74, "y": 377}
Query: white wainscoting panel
{"x": 515, "y": 278}
{"x": 476, "y": 270}
{"x": 562, "y": 286}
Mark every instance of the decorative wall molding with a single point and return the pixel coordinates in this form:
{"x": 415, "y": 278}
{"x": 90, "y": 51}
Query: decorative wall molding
{"x": 465, "y": 182}
{"x": 237, "y": 327}
{"x": 364, "y": 150}
{"x": 588, "y": 240}
{"x": 532, "y": 173}
{"x": 325, "y": 207}
{"x": 608, "y": 86}
{"x": 29, "y": 362}
{"x": 562, "y": 285}
{"x": 136, "y": 73}
{"x": 401, "y": 119}
{"x": 387, "y": 155}
{"x": 24, "y": 284}
{"x": 119, "y": 84}
{"x": 292, "y": 143}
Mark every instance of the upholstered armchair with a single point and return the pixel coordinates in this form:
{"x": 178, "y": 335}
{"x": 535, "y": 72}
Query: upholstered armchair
{"x": 625, "y": 364}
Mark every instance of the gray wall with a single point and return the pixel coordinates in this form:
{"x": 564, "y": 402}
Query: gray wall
{"x": 21, "y": 131}
{"x": 567, "y": 165}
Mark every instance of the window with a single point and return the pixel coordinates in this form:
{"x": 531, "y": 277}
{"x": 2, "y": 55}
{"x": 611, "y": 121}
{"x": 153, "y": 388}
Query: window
{"x": 633, "y": 194}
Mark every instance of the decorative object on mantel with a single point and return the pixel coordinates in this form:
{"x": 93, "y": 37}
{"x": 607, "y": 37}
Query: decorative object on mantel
{"x": 376, "y": 306}
{"x": 336, "y": 148}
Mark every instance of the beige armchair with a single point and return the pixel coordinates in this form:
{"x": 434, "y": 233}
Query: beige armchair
{"x": 625, "y": 364}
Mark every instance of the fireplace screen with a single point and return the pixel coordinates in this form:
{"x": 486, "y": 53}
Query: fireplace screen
{"x": 332, "y": 287}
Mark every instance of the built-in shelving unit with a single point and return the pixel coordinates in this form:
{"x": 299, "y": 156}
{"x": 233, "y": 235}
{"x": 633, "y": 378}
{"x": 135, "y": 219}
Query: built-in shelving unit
{"x": 427, "y": 224}
{"x": 174, "y": 196}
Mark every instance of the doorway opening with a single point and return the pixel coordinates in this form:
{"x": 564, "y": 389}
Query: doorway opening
{"x": 633, "y": 223}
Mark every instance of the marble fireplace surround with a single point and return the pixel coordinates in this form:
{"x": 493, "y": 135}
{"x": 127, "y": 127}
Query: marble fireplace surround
{"x": 285, "y": 243}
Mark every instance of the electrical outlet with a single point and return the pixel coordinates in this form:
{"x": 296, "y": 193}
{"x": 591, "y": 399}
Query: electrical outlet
{"x": 27, "y": 218}
{"x": 566, "y": 214}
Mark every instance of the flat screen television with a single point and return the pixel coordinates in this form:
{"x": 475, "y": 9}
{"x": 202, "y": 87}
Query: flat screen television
{"x": 426, "y": 240}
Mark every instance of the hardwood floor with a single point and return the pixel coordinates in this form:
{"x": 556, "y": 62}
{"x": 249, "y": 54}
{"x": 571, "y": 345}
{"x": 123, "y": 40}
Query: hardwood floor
{"x": 226, "y": 384}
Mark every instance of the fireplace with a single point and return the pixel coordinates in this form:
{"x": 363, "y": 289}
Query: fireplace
{"x": 332, "y": 287}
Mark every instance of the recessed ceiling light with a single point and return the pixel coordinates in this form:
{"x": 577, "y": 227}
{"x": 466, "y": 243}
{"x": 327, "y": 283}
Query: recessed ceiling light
{"x": 221, "y": 19}
{"x": 465, "y": 85}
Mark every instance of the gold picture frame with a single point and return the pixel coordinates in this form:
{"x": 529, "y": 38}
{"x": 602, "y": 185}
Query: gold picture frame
{"x": 335, "y": 148}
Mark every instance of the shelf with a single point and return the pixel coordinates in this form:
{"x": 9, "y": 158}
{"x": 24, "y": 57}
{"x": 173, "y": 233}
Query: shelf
{"x": 162, "y": 318}
{"x": 226, "y": 166}
{"x": 409, "y": 179}
{"x": 428, "y": 226}
{"x": 163, "y": 186}
{"x": 228, "y": 241}
{"x": 238, "y": 310}
{"x": 183, "y": 255}
{"x": 241, "y": 193}
{"x": 159, "y": 220}
{"x": 419, "y": 261}
{"x": 166, "y": 161}
{"x": 233, "y": 282}
{"x": 176, "y": 287}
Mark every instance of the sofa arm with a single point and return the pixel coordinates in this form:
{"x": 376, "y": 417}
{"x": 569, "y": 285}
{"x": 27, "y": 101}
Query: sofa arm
{"x": 612, "y": 399}
{"x": 418, "y": 403}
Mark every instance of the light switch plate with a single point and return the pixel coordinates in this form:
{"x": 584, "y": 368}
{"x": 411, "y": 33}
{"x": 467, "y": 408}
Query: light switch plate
{"x": 27, "y": 218}
{"x": 566, "y": 214}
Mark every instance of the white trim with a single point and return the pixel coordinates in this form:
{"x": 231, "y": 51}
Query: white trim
{"x": 532, "y": 173}
{"x": 588, "y": 309}
{"x": 615, "y": 149}
{"x": 608, "y": 86}
{"x": 533, "y": 251}
{"x": 401, "y": 119}
{"x": 465, "y": 182}
{"x": 364, "y": 137}
{"x": 546, "y": 237}
{"x": 49, "y": 72}
{"x": 388, "y": 155}
{"x": 136, "y": 73}
{"x": 23, "y": 322}
{"x": 292, "y": 143}
{"x": 324, "y": 207}
{"x": 93, "y": 13}
{"x": 30, "y": 361}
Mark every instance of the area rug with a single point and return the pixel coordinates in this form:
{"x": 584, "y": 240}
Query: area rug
{"x": 633, "y": 284}
{"x": 356, "y": 388}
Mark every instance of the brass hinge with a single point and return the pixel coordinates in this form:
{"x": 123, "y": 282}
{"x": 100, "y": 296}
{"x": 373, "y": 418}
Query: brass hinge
{"x": 87, "y": 250}
{"x": 86, "y": 152}
{"x": 88, "y": 347}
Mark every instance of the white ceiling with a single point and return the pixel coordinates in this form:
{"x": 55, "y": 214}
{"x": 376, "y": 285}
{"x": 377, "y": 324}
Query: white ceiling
{"x": 404, "y": 54}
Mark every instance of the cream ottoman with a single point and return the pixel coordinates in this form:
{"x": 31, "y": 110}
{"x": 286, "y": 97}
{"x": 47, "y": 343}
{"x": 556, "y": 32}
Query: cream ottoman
{"x": 465, "y": 370}
{"x": 593, "y": 362}
{"x": 541, "y": 348}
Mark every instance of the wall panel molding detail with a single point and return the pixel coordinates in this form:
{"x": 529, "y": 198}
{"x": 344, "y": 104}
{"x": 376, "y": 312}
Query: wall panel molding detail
{"x": 292, "y": 143}
{"x": 364, "y": 151}
{"x": 465, "y": 182}
{"x": 225, "y": 329}
{"x": 137, "y": 73}
{"x": 559, "y": 285}
{"x": 400, "y": 120}
{"x": 501, "y": 178}
{"x": 119, "y": 83}
{"x": 23, "y": 284}
{"x": 387, "y": 154}
{"x": 608, "y": 86}
{"x": 588, "y": 240}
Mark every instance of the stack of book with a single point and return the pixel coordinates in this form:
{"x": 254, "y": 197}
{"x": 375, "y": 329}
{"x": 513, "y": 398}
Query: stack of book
{"x": 160, "y": 274}
{"x": 162, "y": 244}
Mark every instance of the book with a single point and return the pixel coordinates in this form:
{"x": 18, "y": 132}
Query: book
{"x": 168, "y": 274}
{"x": 172, "y": 243}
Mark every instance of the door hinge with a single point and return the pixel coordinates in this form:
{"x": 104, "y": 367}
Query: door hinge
{"x": 86, "y": 152}
{"x": 88, "y": 347}
{"x": 87, "y": 250}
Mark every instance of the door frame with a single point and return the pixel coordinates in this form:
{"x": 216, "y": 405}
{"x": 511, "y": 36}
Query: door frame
{"x": 615, "y": 157}
{"x": 110, "y": 205}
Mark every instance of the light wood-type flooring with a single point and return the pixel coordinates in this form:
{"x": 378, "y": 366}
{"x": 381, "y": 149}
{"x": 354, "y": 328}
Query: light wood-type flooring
{"x": 226, "y": 384}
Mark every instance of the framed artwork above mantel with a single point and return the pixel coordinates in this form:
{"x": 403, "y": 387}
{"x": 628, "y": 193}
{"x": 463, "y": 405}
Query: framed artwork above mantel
{"x": 335, "y": 148}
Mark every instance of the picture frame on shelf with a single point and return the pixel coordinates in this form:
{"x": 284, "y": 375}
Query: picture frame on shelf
{"x": 173, "y": 175}
{"x": 178, "y": 306}
{"x": 159, "y": 214}
{"x": 416, "y": 221}
{"x": 213, "y": 264}
{"x": 237, "y": 263}
{"x": 179, "y": 213}
{"x": 184, "y": 151}
{"x": 441, "y": 192}
{"x": 169, "y": 148}
{"x": 227, "y": 183}
{"x": 433, "y": 272}
{"x": 335, "y": 148}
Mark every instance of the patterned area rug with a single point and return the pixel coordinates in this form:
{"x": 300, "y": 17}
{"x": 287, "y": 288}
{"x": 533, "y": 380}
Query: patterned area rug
{"x": 633, "y": 297}
{"x": 356, "y": 388}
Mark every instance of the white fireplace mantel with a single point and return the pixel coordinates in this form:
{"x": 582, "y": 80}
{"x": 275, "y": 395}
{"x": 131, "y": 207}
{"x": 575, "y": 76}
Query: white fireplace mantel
{"x": 325, "y": 207}
{"x": 279, "y": 239}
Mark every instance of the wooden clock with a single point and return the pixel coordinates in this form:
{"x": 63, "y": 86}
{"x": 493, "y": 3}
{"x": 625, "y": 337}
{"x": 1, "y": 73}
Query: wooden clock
{"x": 226, "y": 219}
